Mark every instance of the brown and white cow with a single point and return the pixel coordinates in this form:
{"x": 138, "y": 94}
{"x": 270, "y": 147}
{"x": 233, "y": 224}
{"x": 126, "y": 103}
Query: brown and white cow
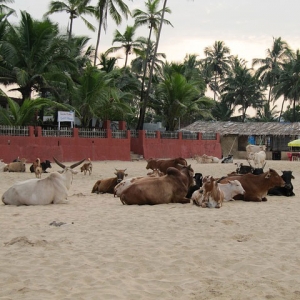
{"x": 256, "y": 186}
{"x": 107, "y": 185}
{"x": 210, "y": 195}
{"x": 170, "y": 188}
{"x": 163, "y": 164}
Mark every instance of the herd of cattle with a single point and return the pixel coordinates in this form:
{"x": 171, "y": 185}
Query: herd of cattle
{"x": 169, "y": 181}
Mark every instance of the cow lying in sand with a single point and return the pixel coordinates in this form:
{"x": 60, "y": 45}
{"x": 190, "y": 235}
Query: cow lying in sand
{"x": 125, "y": 183}
{"x": 170, "y": 188}
{"x": 163, "y": 164}
{"x": 52, "y": 189}
{"x": 17, "y": 166}
{"x": 107, "y": 185}
{"x": 210, "y": 195}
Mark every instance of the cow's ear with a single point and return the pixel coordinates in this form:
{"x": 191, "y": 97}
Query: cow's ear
{"x": 292, "y": 177}
{"x": 268, "y": 175}
{"x": 125, "y": 174}
{"x": 115, "y": 173}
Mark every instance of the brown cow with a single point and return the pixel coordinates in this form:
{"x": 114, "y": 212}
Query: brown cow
{"x": 256, "y": 186}
{"x": 163, "y": 164}
{"x": 170, "y": 188}
{"x": 107, "y": 185}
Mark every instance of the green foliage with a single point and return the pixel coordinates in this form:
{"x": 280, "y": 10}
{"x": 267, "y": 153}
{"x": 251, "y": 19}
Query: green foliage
{"x": 25, "y": 114}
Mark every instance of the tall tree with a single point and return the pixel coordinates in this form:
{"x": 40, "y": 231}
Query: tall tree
{"x": 153, "y": 18}
{"x": 33, "y": 53}
{"x": 218, "y": 60}
{"x": 242, "y": 89}
{"x": 177, "y": 98}
{"x": 289, "y": 81}
{"x": 128, "y": 43}
{"x": 75, "y": 9}
{"x": 4, "y": 9}
{"x": 270, "y": 66}
{"x": 105, "y": 7}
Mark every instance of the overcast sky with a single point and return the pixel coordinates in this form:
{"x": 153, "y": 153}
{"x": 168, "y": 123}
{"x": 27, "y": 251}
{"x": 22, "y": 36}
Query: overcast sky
{"x": 246, "y": 26}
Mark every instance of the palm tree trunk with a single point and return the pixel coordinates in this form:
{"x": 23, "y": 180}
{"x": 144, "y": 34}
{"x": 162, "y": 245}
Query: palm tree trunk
{"x": 142, "y": 116}
{"x": 98, "y": 38}
{"x": 143, "y": 94}
{"x": 284, "y": 99}
{"x": 71, "y": 27}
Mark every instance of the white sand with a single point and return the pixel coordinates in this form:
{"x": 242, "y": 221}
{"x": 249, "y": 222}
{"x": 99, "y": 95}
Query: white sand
{"x": 106, "y": 250}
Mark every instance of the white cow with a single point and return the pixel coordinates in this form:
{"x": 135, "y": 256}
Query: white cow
{"x": 231, "y": 189}
{"x": 259, "y": 158}
{"x": 254, "y": 149}
{"x": 52, "y": 189}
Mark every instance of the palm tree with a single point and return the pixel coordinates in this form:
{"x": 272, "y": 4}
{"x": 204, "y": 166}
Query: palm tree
{"x": 242, "y": 88}
{"x": 289, "y": 81}
{"x": 177, "y": 98}
{"x": 153, "y": 17}
{"x": 96, "y": 96}
{"x": 33, "y": 54}
{"x": 22, "y": 115}
{"x": 127, "y": 42}
{"x": 138, "y": 64}
{"x": 270, "y": 66}
{"x": 75, "y": 9}
{"x": 218, "y": 60}
{"x": 105, "y": 7}
{"x": 4, "y": 9}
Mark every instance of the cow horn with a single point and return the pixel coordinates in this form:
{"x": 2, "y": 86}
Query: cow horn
{"x": 77, "y": 164}
{"x": 59, "y": 163}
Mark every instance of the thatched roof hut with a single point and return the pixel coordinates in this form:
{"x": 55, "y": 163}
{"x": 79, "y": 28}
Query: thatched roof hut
{"x": 235, "y": 136}
{"x": 249, "y": 128}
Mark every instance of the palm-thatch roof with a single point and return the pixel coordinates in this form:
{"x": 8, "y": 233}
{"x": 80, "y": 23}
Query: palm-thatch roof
{"x": 249, "y": 128}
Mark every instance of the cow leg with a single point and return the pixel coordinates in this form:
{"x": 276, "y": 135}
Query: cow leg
{"x": 184, "y": 201}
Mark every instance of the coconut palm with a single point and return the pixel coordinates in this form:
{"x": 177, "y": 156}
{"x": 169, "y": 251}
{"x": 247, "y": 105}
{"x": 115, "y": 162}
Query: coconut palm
{"x": 105, "y": 8}
{"x": 177, "y": 98}
{"x": 22, "y": 115}
{"x": 218, "y": 61}
{"x": 242, "y": 89}
{"x": 34, "y": 54}
{"x": 127, "y": 42}
{"x": 75, "y": 9}
{"x": 153, "y": 17}
{"x": 270, "y": 66}
{"x": 96, "y": 96}
{"x": 288, "y": 84}
{"x": 4, "y": 9}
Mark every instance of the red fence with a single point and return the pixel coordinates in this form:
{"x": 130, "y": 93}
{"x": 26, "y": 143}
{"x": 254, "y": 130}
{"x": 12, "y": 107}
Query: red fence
{"x": 72, "y": 145}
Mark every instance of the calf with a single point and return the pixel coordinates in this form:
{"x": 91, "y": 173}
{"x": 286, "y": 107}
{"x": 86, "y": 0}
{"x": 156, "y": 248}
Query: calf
{"x": 287, "y": 189}
{"x": 210, "y": 195}
{"x": 231, "y": 189}
{"x": 107, "y": 185}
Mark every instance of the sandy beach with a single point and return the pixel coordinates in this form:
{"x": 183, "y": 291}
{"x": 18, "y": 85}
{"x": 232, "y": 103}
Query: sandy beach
{"x": 106, "y": 250}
